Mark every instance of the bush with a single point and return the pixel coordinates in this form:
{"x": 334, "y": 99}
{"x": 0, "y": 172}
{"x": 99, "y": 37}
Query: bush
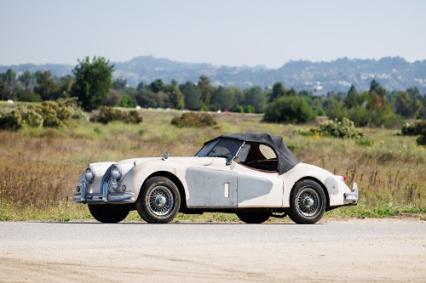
{"x": 421, "y": 140}
{"x": 32, "y": 118}
{"x": 375, "y": 118}
{"x": 340, "y": 129}
{"x": 344, "y": 129}
{"x": 46, "y": 114}
{"x": 11, "y": 121}
{"x": 293, "y": 109}
{"x": 51, "y": 114}
{"x": 133, "y": 117}
{"x": 109, "y": 114}
{"x": 413, "y": 129}
{"x": 192, "y": 119}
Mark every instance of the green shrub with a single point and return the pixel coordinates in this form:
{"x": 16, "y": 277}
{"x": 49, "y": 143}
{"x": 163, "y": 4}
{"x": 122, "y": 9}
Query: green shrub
{"x": 375, "y": 118}
{"x": 11, "y": 121}
{"x": 294, "y": 109}
{"x": 32, "y": 118}
{"x": 51, "y": 121}
{"x": 340, "y": 129}
{"x": 192, "y": 119}
{"x": 109, "y": 114}
{"x": 46, "y": 114}
{"x": 421, "y": 140}
{"x": 414, "y": 129}
{"x": 344, "y": 129}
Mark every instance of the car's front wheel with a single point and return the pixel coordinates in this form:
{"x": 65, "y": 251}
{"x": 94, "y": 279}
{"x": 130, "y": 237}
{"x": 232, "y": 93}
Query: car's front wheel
{"x": 307, "y": 202}
{"x": 159, "y": 200}
{"x": 254, "y": 217}
{"x": 106, "y": 213}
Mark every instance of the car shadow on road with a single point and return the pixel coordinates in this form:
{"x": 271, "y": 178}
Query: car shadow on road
{"x": 169, "y": 224}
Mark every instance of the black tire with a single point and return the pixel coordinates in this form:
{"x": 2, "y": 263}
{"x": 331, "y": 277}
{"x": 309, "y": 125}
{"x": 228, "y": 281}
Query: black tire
{"x": 254, "y": 217}
{"x": 159, "y": 200}
{"x": 106, "y": 213}
{"x": 307, "y": 202}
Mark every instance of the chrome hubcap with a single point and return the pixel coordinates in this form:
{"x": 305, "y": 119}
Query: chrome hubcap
{"x": 160, "y": 201}
{"x": 308, "y": 202}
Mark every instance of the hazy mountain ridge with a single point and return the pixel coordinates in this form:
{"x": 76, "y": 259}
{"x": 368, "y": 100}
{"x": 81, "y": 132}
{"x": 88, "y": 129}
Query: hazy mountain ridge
{"x": 337, "y": 75}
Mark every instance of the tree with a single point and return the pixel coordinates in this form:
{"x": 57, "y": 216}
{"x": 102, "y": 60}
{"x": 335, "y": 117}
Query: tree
{"x": 377, "y": 88}
{"x": 192, "y": 95}
{"x": 335, "y": 109}
{"x": 277, "y": 91}
{"x": 176, "y": 98}
{"x": 352, "y": 98}
{"x": 206, "y": 90}
{"x": 294, "y": 109}
{"x": 157, "y": 86}
{"x": 127, "y": 101}
{"x": 404, "y": 104}
{"x": 46, "y": 86}
{"x": 65, "y": 86}
{"x": 222, "y": 99}
{"x": 92, "y": 81}
{"x": 255, "y": 97}
{"x": 119, "y": 84}
{"x": 146, "y": 98}
{"x": 8, "y": 85}
{"x": 27, "y": 79}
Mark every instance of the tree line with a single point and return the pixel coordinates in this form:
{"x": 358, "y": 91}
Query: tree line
{"x": 92, "y": 83}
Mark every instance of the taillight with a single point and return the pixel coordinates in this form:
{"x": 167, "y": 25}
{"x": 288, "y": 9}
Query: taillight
{"x": 343, "y": 178}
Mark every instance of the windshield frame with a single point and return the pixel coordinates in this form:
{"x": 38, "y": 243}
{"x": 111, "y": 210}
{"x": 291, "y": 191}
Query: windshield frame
{"x": 214, "y": 143}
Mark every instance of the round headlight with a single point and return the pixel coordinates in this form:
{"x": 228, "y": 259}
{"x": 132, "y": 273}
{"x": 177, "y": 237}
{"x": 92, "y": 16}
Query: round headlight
{"x": 89, "y": 175}
{"x": 115, "y": 172}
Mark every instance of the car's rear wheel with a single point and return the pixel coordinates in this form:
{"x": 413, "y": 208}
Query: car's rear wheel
{"x": 307, "y": 202}
{"x": 254, "y": 217}
{"x": 159, "y": 200}
{"x": 107, "y": 213}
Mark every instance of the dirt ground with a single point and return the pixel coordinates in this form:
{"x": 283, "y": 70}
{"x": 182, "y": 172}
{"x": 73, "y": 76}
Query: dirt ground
{"x": 390, "y": 250}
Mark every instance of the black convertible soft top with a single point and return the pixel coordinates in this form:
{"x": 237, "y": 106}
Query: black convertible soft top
{"x": 286, "y": 158}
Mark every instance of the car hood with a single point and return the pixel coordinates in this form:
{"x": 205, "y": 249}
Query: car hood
{"x": 191, "y": 160}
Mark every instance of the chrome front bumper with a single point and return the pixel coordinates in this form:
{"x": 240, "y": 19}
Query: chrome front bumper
{"x": 352, "y": 196}
{"x": 127, "y": 197}
{"x": 84, "y": 196}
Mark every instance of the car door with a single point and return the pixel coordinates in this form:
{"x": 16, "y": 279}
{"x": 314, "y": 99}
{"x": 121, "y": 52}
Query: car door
{"x": 258, "y": 187}
{"x": 215, "y": 185}
{"x": 212, "y": 186}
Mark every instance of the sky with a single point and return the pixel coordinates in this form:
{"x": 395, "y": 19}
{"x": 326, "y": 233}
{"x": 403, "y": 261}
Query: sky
{"x": 221, "y": 32}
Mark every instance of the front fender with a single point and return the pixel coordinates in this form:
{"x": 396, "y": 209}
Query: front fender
{"x": 135, "y": 178}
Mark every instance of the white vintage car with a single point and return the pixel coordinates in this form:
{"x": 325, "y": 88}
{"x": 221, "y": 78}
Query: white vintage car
{"x": 253, "y": 175}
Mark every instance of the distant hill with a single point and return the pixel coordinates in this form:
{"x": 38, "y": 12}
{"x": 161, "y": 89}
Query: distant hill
{"x": 392, "y": 72}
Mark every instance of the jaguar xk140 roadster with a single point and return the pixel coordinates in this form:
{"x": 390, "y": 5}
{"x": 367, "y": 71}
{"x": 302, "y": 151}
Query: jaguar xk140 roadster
{"x": 254, "y": 176}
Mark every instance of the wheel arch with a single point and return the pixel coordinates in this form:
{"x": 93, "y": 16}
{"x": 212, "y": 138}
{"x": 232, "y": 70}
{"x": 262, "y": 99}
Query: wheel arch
{"x": 175, "y": 180}
{"x": 324, "y": 188}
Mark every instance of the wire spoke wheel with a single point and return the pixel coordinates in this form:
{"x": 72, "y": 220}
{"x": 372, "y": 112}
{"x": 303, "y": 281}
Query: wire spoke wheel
{"x": 160, "y": 200}
{"x": 308, "y": 202}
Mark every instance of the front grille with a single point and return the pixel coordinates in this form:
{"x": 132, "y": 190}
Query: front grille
{"x": 105, "y": 184}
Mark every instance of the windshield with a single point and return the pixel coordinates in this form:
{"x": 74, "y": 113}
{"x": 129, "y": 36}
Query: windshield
{"x": 226, "y": 148}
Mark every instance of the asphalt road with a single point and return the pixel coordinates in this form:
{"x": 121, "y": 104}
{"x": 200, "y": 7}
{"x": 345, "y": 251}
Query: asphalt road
{"x": 355, "y": 250}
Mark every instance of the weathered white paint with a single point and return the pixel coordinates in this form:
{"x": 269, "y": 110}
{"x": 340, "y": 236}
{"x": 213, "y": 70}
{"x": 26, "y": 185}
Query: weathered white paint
{"x": 209, "y": 183}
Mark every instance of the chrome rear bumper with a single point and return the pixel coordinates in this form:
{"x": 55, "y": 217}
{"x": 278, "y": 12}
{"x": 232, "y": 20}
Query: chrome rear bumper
{"x": 352, "y": 196}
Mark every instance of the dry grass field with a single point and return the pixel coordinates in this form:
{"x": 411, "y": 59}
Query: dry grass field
{"x": 40, "y": 167}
